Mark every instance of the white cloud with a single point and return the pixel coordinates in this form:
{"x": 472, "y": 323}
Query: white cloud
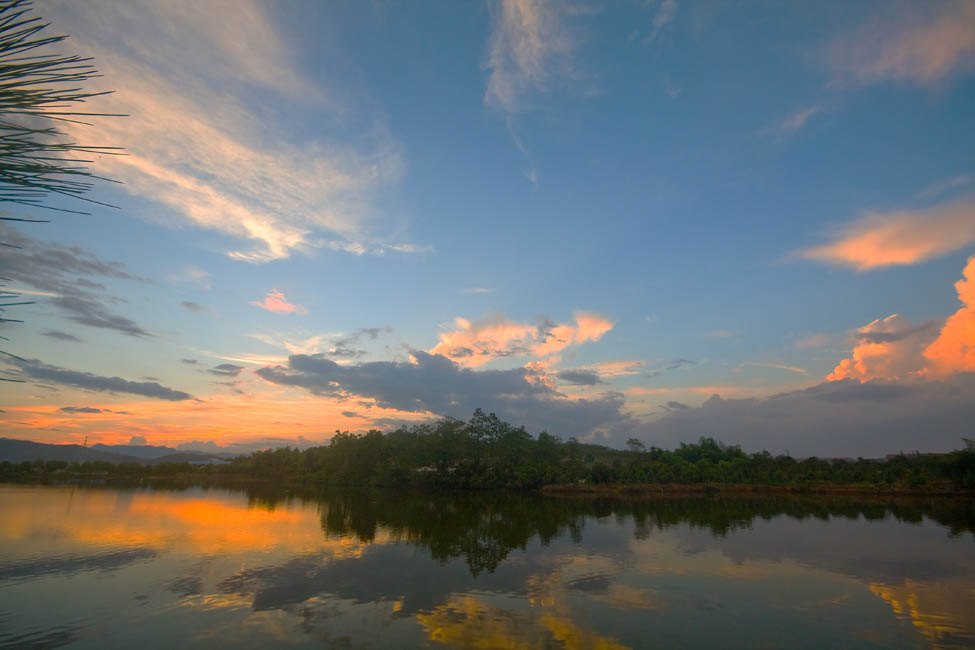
{"x": 665, "y": 14}
{"x": 203, "y": 85}
{"x": 530, "y": 49}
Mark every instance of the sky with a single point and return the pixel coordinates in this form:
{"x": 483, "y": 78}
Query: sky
{"x": 656, "y": 219}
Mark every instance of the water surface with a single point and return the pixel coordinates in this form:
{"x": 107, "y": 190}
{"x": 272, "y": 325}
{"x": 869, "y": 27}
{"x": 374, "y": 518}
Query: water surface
{"x": 94, "y": 567}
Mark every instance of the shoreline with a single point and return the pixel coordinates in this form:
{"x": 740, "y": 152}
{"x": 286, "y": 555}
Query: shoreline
{"x": 708, "y": 489}
{"x": 625, "y": 490}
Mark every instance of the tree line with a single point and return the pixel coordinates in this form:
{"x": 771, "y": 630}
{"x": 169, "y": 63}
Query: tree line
{"x": 486, "y": 452}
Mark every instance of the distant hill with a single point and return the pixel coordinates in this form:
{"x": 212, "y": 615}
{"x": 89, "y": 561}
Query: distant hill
{"x": 152, "y": 452}
{"x": 16, "y": 451}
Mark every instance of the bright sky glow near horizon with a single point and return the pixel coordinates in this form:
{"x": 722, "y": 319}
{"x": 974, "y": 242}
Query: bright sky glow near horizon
{"x": 657, "y": 219}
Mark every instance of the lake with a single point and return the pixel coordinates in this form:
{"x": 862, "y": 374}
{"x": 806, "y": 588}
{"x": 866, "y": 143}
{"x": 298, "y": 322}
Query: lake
{"x": 168, "y": 566}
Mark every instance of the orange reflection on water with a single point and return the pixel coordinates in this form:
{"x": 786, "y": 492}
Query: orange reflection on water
{"x": 939, "y": 610}
{"x": 214, "y": 523}
{"x": 468, "y": 622}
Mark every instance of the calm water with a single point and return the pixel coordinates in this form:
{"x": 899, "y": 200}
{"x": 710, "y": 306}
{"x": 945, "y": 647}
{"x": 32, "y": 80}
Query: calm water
{"x": 109, "y": 567}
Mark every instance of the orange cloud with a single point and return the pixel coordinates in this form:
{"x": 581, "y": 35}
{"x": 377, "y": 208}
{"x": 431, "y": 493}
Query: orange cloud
{"x": 275, "y": 302}
{"x": 888, "y": 348}
{"x": 954, "y": 349}
{"x": 898, "y": 238}
{"x": 477, "y": 343}
{"x": 922, "y": 49}
{"x": 892, "y": 348}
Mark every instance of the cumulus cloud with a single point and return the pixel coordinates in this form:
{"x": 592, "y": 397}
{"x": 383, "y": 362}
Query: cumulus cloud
{"x": 924, "y": 46}
{"x": 954, "y": 349}
{"x": 432, "y": 383}
{"x": 138, "y": 441}
{"x": 887, "y": 348}
{"x": 211, "y": 144}
{"x": 40, "y": 371}
{"x": 530, "y": 50}
{"x": 837, "y": 418}
{"x": 894, "y": 348}
{"x": 192, "y": 306}
{"x": 275, "y": 302}
{"x": 475, "y": 343}
{"x": 877, "y": 240}
{"x": 63, "y": 274}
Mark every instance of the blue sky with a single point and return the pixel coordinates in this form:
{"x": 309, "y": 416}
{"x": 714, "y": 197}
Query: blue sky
{"x": 591, "y": 218}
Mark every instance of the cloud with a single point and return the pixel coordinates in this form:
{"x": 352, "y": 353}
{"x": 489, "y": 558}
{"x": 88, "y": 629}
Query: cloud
{"x": 215, "y": 143}
{"x": 63, "y": 272}
{"x": 191, "y": 362}
{"x": 616, "y": 368}
{"x": 138, "y": 441}
{"x": 888, "y": 348}
{"x": 832, "y": 419}
{"x": 37, "y": 370}
{"x": 664, "y": 15}
{"x": 674, "y": 405}
{"x": 478, "y": 290}
{"x": 947, "y": 185}
{"x": 892, "y": 347}
{"x": 813, "y": 341}
{"x": 774, "y": 366}
{"x": 579, "y": 377}
{"x": 923, "y": 47}
{"x": 434, "y": 384}
{"x": 954, "y": 349}
{"x": 877, "y": 240}
{"x": 79, "y": 409}
{"x": 791, "y": 123}
{"x": 61, "y": 336}
{"x": 192, "y": 306}
{"x": 680, "y": 364}
{"x": 332, "y": 344}
{"x": 275, "y": 302}
{"x": 195, "y": 275}
{"x": 529, "y": 51}
{"x": 475, "y": 343}
{"x": 225, "y": 370}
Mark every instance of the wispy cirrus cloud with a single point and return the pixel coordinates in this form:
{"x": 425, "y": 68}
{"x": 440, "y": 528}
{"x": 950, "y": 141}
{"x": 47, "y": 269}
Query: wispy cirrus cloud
{"x": 923, "y": 45}
{"x": 773, "y": 366}
{"x": 877, "y": 240}
{"x": 474, "y": 343}
{"x": 530, "y": 51}
{"x": 207, "y": 142}
{"x": 665, "y": 14}
{"x": 333, "y": 344}
{"x": 791, "y": 123}
{"x": 275, "y": 302}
